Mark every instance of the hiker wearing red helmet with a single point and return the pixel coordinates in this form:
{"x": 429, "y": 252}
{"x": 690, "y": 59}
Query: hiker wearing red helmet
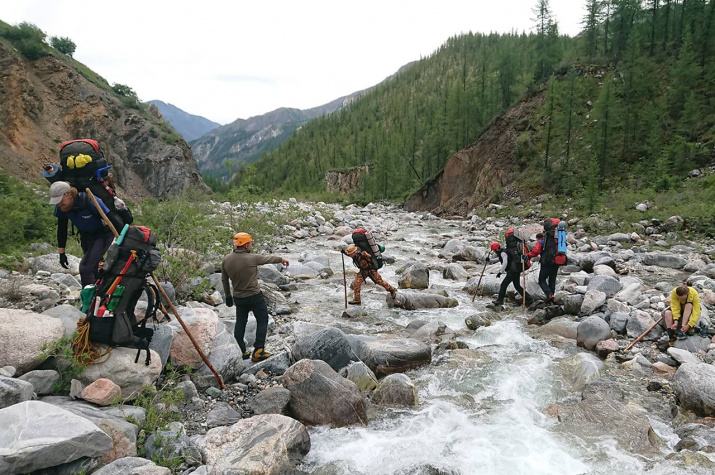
{"x": 510, "y": 258}
{"x": 241, "y": 268}
{"x": 363, "y": 261}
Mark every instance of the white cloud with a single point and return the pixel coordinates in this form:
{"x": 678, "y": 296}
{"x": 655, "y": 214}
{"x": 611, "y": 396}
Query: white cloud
{"x": 226, "y": 59}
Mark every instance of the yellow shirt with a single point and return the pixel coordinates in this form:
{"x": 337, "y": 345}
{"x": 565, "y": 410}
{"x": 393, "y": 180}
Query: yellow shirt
{"x": 693, "y": 298}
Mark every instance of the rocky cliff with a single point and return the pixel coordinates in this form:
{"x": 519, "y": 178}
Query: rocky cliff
{"x": 473, "y": 175}
{"x": 344, "y": 181}
{"x": 46, "y": 101}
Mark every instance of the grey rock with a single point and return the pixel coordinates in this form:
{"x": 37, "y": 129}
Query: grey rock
{"x": 360, "y": 374}
{"x": 694, "y": 385}
{"x": 606, "y": 284}
{"x": 14, "y": 391}
{"x": 222, "y": 415}
{"x": 329, "y": 344}
{"x": 396, "y": 390}
{"x": 42, "y": 380}
{"x": 271, "y": 401}
{"x": 592, "y": 330}
{"x": 132, "y": 466}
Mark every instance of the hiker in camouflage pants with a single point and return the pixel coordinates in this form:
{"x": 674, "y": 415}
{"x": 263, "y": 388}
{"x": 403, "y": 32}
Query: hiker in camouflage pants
{"x": 363, "y": 261}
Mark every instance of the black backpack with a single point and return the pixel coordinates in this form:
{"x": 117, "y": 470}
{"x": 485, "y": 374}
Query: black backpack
{"x": 514, "y": 250}
{"x": 364, "y": 239}
{"x": 123, "y": 280}
{"x": 84, "y": 166}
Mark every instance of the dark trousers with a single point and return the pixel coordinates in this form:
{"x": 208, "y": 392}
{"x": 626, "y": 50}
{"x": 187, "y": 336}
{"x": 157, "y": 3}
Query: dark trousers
{"x": 257, "y": 305}
{"x": 547, "y": 279}
{"x": 93, "y": 248}
{"x": 512, "y": 278}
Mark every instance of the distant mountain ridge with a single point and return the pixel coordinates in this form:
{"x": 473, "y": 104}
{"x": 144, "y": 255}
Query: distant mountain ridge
{"x": 190, "y": 126}
{"x": 246, "y": 140}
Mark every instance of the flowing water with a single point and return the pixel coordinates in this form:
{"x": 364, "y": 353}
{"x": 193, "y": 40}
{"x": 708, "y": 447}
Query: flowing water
{"x": 481, "y": 410}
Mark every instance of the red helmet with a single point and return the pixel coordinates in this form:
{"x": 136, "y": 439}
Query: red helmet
{"x": 495, "y": 246}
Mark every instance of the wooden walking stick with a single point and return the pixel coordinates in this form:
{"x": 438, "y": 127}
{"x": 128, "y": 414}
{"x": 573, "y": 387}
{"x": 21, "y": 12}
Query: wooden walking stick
{"x": 523, "y": 280}
{"x": 486, "y": 261}
{"x": 644, "y": 334}
{"x": 345, "y": 281}
{"x": 163, "y": 293}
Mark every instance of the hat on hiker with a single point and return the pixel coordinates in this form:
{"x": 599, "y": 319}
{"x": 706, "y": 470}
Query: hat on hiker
{"x": 351, "y": 250}
{"x": 495, "y": 246}
{"x": 57, "y": 191}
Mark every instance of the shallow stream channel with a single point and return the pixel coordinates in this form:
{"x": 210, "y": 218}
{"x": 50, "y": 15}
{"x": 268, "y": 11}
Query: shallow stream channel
{"x": 485, "y": 409}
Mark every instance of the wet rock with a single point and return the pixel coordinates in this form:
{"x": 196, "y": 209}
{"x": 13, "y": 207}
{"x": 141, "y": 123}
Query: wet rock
{"x": 329, "y": 344}
{"x": 271, "y": 401}
{"x": 414, "y": 276}
{"x": 396, "y": 390}
{"x": 455, "y": 272}
{"x": 417, "y": 300}
{"x": 564, "y": 327}
{"x": 582, "y": 368}
{"x": 476, "y": 321}
{"x": 321, "y": 396}
{"x": 360, "y": 374}
{"x": 433, "y": 332}
{"x": 267, "y": 443}
{"x": 387, "y": 356}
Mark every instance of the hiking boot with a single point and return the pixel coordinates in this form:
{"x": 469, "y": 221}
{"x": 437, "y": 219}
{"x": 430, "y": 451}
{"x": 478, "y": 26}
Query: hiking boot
{"x": 260, "y": 355}
{"x": 246, "y": 355}
{"x": 498, "y": 302}
{"x": 550, "y": 300}
{"x": 682, "y": 336}
{"x": 690, "y": 332}
{"x": 355, "y": 302}
{"x": 393, "y": 294}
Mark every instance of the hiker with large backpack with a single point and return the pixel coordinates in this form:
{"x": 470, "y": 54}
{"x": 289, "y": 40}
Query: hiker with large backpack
{"x": 511, "y": 263}
{"x": 553, "y": 255}
{"x": 95, "y": 237}
{"x": 83, "y": 165}
{"x": 365, "y": 263}
{"x": 241, "y": 268}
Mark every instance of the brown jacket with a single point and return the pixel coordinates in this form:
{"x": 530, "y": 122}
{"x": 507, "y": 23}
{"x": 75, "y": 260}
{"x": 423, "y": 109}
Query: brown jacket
{"x": 241, "y": 267}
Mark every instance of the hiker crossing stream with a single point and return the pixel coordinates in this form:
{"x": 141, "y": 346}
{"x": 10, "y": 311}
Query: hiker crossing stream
{"x": 482, "y": 409}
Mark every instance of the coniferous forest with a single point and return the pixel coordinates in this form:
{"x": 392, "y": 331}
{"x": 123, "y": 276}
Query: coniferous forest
{"x": 629, "y": 102}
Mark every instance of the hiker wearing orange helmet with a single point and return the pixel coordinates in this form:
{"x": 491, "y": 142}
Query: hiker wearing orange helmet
{"x": 241, "y": 268}
{"x": 363, "y": 261}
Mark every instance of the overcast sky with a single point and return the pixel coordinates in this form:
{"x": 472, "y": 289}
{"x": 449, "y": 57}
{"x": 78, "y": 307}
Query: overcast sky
{"x": 225, "y": 60}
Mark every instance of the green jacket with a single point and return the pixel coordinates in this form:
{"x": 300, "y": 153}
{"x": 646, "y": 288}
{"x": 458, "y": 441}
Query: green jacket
{"x": 241, "y": 267}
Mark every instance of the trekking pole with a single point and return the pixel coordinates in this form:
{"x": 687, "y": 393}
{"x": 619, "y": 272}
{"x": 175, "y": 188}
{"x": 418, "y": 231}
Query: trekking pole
{"x": 166, "y": 297}
{"x": 523, "y": 280}
{"x": 644, "y": 334}
{"x": 191, "y": 337}
{"x": 345, "y": 282}
{"x": 486, "y": 261}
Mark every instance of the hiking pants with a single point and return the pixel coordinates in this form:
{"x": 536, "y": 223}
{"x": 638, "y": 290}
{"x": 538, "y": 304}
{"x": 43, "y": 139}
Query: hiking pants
{"x": 93, "y": 249}
{"x": 374, "y": 276}
{"x": 257, "y": 305}
{"x": 512, "y": 278}
{"x": 547, "y": 279}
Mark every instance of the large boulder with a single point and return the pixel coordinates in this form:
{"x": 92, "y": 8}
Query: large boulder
{"x": 68, "y": 314}
{"x": 269, "y": 444}
{"x": 606, "y": 284}
{"x": 661, "y": 259}
{"x": 454, "y": 272}
{"x": 37, "y": 435}
{"x": 581, "y": 369}
{"x": 694, "y": 385}
{"x": 359, "y": 373}
{"x": 22, "y": 336}
{"x": 418, "y": 300}
{"x": 489, "y": 285}
{"x": 639, "y": 322}
{"x": 121, "y": 369}
{"x": 600, "y": 416}
{"x": 328, "y": 344}
{"x": 396, "y": 390}
{"x": 415, "y": 276}
{"x": 320, "y": 396}
{"x": 203, "y": 324}
{"x": 591, "y": 331}
{"x": 132, "y": 466}
{"x": 387, "y": 356}
{"x": 225, "y": 356}
{"x": 592, "y": 301}
{"x": 433, "y": 332}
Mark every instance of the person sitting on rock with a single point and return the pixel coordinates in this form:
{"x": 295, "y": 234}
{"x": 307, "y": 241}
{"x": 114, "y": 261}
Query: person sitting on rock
{"x": 363, "y": 261}
{"x": 683, "y": 314}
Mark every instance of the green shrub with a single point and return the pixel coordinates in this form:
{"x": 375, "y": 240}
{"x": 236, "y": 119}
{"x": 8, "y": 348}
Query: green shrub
{"x": 64, "y": 45}
{"x": 27, "y": 38}
{"x": 26, "y": 216}
{"x": 68, "y": 367}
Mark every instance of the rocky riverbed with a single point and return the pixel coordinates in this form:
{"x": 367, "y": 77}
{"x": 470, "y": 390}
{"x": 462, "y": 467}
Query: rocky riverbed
{"x": 391, "y": 386}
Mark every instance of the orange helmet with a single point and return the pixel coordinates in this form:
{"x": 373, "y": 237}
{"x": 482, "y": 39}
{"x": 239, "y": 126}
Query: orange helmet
{"x": 240, "y": 239}
{"x": 495, "y": 246}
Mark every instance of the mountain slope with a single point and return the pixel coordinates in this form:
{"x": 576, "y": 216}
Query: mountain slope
{"x": 246, "y": 140}
{"x": 53, "y": 98}
{"x": 188, "y": 125}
